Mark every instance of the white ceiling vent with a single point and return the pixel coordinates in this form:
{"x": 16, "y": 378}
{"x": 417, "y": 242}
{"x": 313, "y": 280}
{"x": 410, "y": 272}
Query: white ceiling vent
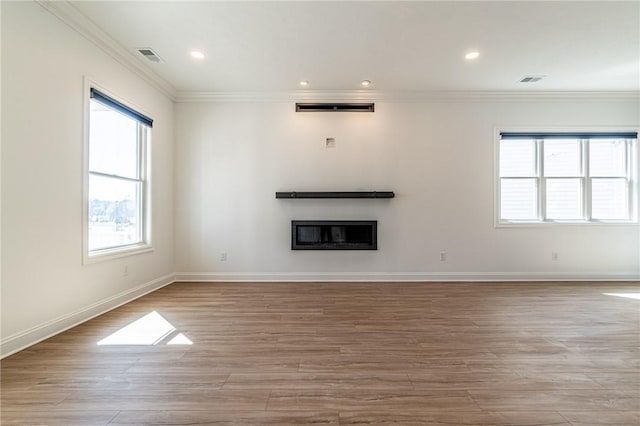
{"x": 532, "y": 78}
{"x": 149, "y": 54}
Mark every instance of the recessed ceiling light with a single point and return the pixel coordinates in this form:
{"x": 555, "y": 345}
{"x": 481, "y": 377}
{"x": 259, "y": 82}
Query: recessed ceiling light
{"x": 366, "y": 83}
{"x": 304, "y": 83}
{"x": 472, "y": 55}
{"x": 197, "y": 54}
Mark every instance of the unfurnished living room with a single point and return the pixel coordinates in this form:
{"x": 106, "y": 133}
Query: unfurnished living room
{"x": 320, "y": 213}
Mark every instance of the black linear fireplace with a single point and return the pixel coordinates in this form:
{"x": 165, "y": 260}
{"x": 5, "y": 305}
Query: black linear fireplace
{"x": 334, "y": 235}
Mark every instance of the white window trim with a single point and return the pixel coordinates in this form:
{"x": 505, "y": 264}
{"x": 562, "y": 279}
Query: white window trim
{"x": 122, "y": 251}
{"x": 633, "y": 164}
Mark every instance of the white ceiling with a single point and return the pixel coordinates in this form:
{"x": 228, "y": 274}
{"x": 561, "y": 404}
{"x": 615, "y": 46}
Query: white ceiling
{"x": 413, "y": 46}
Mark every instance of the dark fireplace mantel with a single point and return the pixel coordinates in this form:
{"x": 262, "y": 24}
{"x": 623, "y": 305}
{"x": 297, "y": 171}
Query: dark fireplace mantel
{"x": 334, "y": 235}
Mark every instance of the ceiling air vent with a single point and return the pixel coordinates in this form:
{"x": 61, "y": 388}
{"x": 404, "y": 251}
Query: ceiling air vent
{"x": 332, "y": 107}
{"x": 149, "y": 54}
{"x": 532, "y": 78}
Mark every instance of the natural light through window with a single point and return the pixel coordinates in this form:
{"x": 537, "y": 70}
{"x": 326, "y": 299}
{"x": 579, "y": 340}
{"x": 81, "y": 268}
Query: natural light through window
{"x": 117, "y": 207}
{"x": 625, "y": 295}
{"x": 151, "y": 329}
{"x": 180, "y": 339}
{"x": 567, "y": 177}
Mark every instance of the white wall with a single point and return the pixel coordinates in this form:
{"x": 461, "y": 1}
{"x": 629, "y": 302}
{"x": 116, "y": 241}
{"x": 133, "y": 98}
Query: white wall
{"x": 438, "y": 157}
{"x": 45, "y": 286}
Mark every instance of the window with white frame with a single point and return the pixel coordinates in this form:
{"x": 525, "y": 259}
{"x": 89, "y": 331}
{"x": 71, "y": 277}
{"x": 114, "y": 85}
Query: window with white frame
{"x": 566, "y": 177}
{"x": 117, "y": 217}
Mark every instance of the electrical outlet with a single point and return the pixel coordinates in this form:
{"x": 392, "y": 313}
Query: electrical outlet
{"x": 223, "y": 257}
{"x": 125, "y": 270}
{"x": 554, "y": 256}
{"x": 443, "y": 256}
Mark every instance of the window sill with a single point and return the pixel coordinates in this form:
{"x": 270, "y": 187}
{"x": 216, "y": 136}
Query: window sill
{"x": 110, "y": 254}
{"x": 545, "y": 224}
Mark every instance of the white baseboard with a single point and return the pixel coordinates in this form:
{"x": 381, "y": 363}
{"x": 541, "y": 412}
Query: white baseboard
{"x": 24, "y": 339}
{"x": 402, "y": 276}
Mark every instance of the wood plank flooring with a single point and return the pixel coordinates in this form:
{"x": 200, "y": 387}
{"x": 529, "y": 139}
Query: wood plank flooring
{"x": 344, "y": 354}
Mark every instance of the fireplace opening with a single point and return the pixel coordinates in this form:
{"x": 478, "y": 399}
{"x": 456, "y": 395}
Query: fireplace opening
{"x": 334, "y": 235}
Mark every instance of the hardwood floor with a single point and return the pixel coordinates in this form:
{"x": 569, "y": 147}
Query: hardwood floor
{"x": 342, "y": 353}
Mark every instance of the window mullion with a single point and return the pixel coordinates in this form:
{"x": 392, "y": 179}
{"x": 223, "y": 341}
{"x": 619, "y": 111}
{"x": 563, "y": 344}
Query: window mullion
{"x": 141, "y": 151}
{"x": 542, "y": 203}
{"x": 631, "y": 183}
{"x": 585, "y": 147}
{"x": 107, "y": 175}
{"x": 142, "y": 188}
{"x": 138, "y": 151}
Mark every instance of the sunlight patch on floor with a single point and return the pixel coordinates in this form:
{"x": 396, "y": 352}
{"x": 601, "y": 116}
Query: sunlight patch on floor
{"x": 151, "y": 329}
{"x": 180, "y": 339}
{"x": 627, "y": 295}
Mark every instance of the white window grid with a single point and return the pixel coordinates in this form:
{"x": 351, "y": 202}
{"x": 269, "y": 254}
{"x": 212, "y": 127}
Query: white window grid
{"x": 586, "y": 186}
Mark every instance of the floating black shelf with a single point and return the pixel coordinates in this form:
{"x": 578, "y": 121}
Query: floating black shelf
{"x": 356, "y": 194}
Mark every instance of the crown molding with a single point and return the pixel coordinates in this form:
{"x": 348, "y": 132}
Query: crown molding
{"x": 71, "y": 16}
{"x": 279, "y": 96}
{"x": 408, "y": 96}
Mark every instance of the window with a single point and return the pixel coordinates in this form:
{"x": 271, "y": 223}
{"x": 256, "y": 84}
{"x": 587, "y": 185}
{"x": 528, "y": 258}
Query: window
{"x": 566, "y": 177}
{"x": 118, "y": 187}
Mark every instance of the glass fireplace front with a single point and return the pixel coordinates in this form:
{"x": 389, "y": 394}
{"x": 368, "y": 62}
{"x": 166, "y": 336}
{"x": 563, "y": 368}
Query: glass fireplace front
{"x": 334, "y": 235}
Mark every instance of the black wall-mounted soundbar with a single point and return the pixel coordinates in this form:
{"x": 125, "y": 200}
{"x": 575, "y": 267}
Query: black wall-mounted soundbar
{"x": 356, "y": 194}
{"x": 335, "y": 107}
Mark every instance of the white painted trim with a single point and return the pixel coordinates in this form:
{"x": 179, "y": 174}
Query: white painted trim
{"x": 116, "y": 253}
{"x": 71, "y": 16}
{"x": 402, "y": 276}
{"x": 588, "y": 224}
{"x": 24, "y": 339}
{"x": 407, "y": 96}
